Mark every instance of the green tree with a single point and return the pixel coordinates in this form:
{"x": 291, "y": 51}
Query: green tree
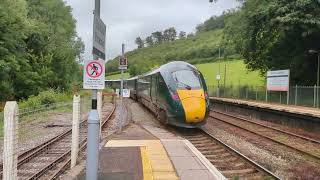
{"x": 149, "y": 41}
{"x": 38, "y": 47}
{"x": 182, "y": 35}
{"x": 139, "y": 42}
{"x": 277, "y": 34}
{"x": 14, "y": 28}
{"x": 158, "y": 37}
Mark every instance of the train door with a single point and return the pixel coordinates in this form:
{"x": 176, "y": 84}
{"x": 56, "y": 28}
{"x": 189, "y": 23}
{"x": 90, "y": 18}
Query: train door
{"x": 154, "y": 81}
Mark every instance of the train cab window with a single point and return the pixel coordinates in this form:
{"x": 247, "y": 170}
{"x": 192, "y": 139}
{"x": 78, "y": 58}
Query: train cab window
{"x": 186, "y": 79}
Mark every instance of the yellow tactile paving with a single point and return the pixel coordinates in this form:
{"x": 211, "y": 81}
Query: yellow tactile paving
{"x": 146, "y": 164}
{"x": 153, "y": 154}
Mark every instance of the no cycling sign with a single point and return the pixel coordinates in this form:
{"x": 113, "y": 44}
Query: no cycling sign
{"x": 94, "y": 74}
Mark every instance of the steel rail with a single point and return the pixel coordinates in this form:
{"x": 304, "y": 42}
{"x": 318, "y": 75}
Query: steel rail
{"x": 250, "y": 161}
{"x": 266, "y": 137}
{"x": 82, "y": 147}
{"x": 269, "y": 127}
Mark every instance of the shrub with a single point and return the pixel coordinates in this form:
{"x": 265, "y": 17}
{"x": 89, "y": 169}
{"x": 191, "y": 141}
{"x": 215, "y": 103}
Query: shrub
{"x": 44, "y": 98}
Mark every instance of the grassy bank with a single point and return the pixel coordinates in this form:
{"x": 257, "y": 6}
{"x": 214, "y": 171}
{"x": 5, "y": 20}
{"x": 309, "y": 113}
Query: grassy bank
{"x": 236, "y": 73}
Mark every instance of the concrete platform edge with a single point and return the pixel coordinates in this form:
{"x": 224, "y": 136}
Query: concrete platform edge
{"x": 213, "y": 170}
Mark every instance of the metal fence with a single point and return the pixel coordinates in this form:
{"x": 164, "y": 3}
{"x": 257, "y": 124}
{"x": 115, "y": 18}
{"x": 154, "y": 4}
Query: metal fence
{"x": 298, "y": 95}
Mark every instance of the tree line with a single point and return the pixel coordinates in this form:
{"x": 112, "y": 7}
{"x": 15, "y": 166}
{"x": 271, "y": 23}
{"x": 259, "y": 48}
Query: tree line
{"x": 272, "y": 35}
{"x": 39, "y": 47}
{"x": 159, "y": 37}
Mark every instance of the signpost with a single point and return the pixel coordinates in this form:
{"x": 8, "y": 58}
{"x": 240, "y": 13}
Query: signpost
{"x": 279, "y": 81}
{"x": 123, "y": 65}
{"x": 94, "y": 74}
{"x": 99, "y": 36}
{"x": 94, "y": 79}
{"x": 126, "y": 93}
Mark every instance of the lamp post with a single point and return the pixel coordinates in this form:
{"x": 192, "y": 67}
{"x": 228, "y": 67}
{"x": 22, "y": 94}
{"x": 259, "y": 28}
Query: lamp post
{"x": 312, "y": 51}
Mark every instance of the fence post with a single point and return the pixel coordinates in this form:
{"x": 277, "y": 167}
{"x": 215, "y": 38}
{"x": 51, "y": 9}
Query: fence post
{"x": 246, "y": 92}
{"x": 266, "y": 95}
{"x": 256, "y": 94}
{"x": 314, "y": 95}
{"x": 296, "y": 96}
{"x": 280, "y": 98}
{"x": 75, "y": 130}
{"x": 10, "y": 146}
{"x": 218, "y": 91}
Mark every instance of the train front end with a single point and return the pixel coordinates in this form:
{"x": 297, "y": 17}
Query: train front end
{"x": 191, "y": 98}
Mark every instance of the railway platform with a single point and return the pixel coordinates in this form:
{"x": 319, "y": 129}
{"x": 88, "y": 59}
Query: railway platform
{"x": 299, "y": 110}
{"x": 297, "y": 117}
{"x": 152, "y": 153}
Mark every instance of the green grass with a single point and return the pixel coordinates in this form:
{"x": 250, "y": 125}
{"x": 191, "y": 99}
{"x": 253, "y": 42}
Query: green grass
{"x": 194, "y": 49}
{"x": 236, "y": 74}
{"x": 117, "y": 76}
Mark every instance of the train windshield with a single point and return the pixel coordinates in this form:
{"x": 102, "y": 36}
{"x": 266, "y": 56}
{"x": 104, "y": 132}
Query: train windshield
{"x": 186, "y": 79}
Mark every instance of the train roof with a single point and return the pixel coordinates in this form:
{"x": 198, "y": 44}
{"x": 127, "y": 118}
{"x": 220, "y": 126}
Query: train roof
{"x": 171, "y": 66}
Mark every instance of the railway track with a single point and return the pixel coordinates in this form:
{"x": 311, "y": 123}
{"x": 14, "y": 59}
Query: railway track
{"x": 49, "y": 159}
{"x": 304, "y": 145}
{"x": 231, "y": 163}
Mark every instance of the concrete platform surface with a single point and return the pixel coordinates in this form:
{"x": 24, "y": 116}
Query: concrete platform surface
{"x": 154, "y": 159}
{"x": 301, "y": 110}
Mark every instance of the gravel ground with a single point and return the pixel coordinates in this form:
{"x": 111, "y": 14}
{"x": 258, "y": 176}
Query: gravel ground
{"x": 41, "y": 129}
{"x": 282, "y": 161}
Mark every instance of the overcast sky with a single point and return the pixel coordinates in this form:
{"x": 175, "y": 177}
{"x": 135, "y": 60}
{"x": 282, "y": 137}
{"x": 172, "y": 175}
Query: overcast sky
{"x": 128, "y": 19}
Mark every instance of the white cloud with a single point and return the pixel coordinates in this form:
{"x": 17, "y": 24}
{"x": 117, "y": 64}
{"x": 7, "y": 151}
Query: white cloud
{"x": 128, "y": 19}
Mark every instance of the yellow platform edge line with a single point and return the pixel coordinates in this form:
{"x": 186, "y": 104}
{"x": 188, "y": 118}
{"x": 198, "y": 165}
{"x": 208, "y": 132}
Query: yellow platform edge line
{"x": 146, "y": 164}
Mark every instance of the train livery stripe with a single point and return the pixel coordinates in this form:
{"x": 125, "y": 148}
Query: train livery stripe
{"x": 194, "y": 105}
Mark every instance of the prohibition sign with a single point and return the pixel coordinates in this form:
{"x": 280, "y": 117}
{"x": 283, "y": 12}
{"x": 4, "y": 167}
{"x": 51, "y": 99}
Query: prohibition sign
{"x": 94, "y": 69}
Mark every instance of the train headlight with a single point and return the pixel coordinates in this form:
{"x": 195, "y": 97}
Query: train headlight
{"x": 175, "y": 96}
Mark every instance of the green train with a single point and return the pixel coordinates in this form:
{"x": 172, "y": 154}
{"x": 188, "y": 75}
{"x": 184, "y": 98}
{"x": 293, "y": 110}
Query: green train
{"x": 176, "y": 93}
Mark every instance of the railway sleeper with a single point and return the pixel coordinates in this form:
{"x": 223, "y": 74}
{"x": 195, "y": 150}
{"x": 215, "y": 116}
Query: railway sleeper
{"x": 223, "y": 155}
{"x": 210, "y": 147}
{"x": 216, "y": 151}
{"x": 199, "y": 143}
{"x": 239, "y": 172}
{"x": 192, "y": 138}
{"x": 224, "y": 160}
{"x": 234, "y": 165}
{"x": 205, "y": 143}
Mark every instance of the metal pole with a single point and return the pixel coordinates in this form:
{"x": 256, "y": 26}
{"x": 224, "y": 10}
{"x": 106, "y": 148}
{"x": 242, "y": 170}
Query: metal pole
{"x": 280, "y": 97}
{"x": 121, "y": 95}
{"x": 225, "y": 75}
{"x": 93, "y": 128}
{"x": 318, "y": 73}
{"x": 266, "y": 95}
{"x": 296, "y": 96}
{"x": 246, "y": 92}
{"x": 314, "y": 95}
{"x": 288, "y": 92}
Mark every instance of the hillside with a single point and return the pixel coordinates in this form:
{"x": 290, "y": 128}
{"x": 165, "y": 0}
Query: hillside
{"x": 236, "y": 73}
{"x": 201, "y": 48}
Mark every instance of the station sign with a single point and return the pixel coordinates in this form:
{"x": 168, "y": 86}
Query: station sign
{"x": 99, "y": 38}
{"x": 123, "y": 63}
{"x": 126, "y": 93}
{"x": 218, "y": 77}
{"x": 278, "y": 80}
{"x": 94, "y": 74}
